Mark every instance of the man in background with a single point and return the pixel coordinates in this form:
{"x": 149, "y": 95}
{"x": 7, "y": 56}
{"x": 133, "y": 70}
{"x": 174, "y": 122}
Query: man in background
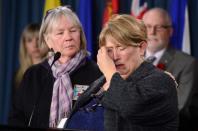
{"x": 161, "y": 54}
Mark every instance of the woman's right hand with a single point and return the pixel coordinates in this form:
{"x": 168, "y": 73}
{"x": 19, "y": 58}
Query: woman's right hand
{"x": 105, "y": 63}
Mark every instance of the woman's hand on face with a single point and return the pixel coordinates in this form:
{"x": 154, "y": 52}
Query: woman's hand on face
{"x": 105, "y": 63}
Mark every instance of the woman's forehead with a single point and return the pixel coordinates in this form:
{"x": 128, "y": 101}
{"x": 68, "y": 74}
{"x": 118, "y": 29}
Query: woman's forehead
{"x": 109, "y": 40}
{"x": 63, "y": 21}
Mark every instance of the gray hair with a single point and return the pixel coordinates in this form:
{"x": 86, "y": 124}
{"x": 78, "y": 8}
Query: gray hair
{"x": 163, "y": 13}
{"x": 51, "y": 18}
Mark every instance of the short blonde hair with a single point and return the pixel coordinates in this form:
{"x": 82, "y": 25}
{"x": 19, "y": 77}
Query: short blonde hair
{"x": 126, "y": 29}
{"x": 52, "y": 16}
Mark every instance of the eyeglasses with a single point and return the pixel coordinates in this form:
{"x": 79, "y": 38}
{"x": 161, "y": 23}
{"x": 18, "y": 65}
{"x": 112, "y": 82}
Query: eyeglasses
{"x": 122, "y": 48}
{"x": 59, "y": 8}
{"x": 157, "y": 28}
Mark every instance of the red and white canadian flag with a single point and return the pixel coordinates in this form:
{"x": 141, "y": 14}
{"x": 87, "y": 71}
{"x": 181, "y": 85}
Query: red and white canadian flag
{"x": 138, "y": 8}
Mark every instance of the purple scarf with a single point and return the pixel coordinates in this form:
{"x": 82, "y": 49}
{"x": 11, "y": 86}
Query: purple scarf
{"x": 62, "y": 89}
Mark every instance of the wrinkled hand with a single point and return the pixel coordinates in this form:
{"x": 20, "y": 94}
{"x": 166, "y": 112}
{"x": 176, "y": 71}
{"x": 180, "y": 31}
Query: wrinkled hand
{"x": 105, "y": 63}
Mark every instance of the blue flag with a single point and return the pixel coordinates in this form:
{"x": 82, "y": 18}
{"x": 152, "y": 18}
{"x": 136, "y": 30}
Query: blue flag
{"x": 178, "y": 12}
{"x": 84, "y": 12}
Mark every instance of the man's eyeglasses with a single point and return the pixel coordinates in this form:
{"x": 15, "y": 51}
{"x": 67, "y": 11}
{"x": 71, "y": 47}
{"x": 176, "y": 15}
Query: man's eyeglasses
{"x": 59, "y": 8}
{"x": 157, "y": 28}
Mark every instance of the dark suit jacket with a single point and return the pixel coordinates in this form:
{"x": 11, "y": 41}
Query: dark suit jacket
{"x": 36, "y": 90}
{"x": 183, "y": 67}
{"x": 146, "y": 101}
{"x": 185, "y": 70}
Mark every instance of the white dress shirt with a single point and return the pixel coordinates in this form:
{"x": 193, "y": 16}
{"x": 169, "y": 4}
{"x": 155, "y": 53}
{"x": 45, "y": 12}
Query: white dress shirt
{"x": 158, "y": 55}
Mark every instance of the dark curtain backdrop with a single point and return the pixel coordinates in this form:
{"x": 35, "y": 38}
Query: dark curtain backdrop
{"x": 15, "y": 15}
{"x": 1, "y": 56}
{"x": 193, "y": 18}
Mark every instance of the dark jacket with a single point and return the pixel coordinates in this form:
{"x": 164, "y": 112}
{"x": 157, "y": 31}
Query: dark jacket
{"x": 146, "y": 101}
{"x": 185, "y": 70}
{"x": 35, "y": 93}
